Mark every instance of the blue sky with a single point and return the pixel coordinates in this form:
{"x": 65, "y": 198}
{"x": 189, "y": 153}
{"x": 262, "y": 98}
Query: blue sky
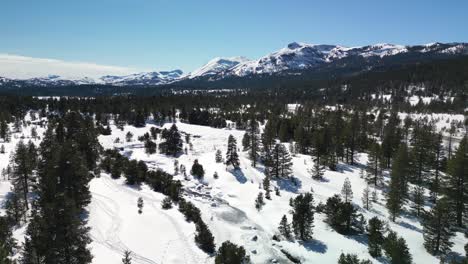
{"x": 169, "y": 34}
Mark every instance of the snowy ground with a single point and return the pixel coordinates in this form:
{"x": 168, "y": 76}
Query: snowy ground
{"x": 227, "y": 205}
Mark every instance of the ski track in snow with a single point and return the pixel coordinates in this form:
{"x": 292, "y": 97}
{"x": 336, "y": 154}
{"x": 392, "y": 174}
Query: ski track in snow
{"x": 116, "y": 244}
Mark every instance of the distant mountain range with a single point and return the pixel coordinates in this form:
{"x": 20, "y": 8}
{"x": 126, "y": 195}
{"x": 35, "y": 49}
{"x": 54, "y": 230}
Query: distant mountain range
{"x": 294, "y": 58}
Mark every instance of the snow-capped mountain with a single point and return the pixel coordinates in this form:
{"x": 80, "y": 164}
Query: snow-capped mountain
{"x": 217, "y": 66}
{"x": 300, "y": 56}
{"x": 294, "y": 57}
{"x": 145, "y": 78}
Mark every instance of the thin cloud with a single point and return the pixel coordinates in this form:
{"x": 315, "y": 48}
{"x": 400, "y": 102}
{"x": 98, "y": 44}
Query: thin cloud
{"x": 22, "y": 67}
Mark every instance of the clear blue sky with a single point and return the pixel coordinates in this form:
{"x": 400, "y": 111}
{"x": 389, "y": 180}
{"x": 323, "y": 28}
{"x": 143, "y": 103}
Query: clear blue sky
{"x": 168, "y": 34}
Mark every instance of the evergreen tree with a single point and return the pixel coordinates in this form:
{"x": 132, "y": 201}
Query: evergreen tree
{"x": 129, "y": 136}
{"x": 376, "y": 231}
{"x": 22, "y": 174}
{"x": 140, "y": 205}
{"x": 232, "y": 158}
{"x": 437, "y": 228}
{"x": 7, "y": 242}
{"x": 280, "y": 164}
{"x": 150, "y": 147}
{"x": 347, "y": 191}
{"x": 435, "y": 185}
{"x": 396, "y": 249}
{"x": 166, "y": 203}
{"x": 4, "y": 131}
{"x": 197, "y": 170}
{"x": 317, "y": 171}
{"x": 341, "y": 216}
{"x": 204, "y": 238}
{"x": 418, "y": 200}
{"x": 2, "y": 149}
{"x": 259, "y": 202}
{"x": 457, "y": 183}
{"x": 215, "y": 175}
{"x": 218, "y": 156}
{"x": 351, "y": 259}
{"x": 251, "y": 141}
{"x": 303, "y": 216}
{"x": 397, "y": 193}
{"x": 230, "y": 253}
{"x": 374, "y": 175}
{"x": 266, "y": 187}
{"x": 246, "y": 141}
{"x": 127, "y": 259}
{"x": 390, "y": 140}
{"x": 366, "y": 198}
{"x": 284, "y": 228}
{"x": 172, "y": 144}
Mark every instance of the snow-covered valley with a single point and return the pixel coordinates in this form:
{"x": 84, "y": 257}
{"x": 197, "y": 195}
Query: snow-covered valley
{"x": 226, "y": 204}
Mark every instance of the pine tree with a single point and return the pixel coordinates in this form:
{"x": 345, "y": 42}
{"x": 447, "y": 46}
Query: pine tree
{"x": 176, "y": 167}
{"x": 7, "y": 243}
{"x": 22, "y": 174}
{"x": 457, "y": 183}
{"x": 129, "y": 136}
{"x": 254, "y": 141}
{"x": 437, "y": 228}
{"x": 376, "y": 231}
{"x": 218, "y": 156}
{"x": 396, "y": 249}
{"x": 280, "y": 164}
{"x": 140, "y": 205}
{"x": 197, "y": 170}
{"x": 351, "y": 259}
{"x": 204, "y": 238}
{"x": 4, "y": 130}
{"x": 166, "y": 203}
{"x": 230, "y": 253}
{"x": 259, "y": 202}
{"x": 374, "y": 175}
{"x": 418, "y": 200}
{"x": 421, "y": 153}
{"x": 127, "y": 259}
{"x": 317, "y": 171}
{"x": 303, "y": 216}
{"x": 150, "y": 147}
{"x": 172, "y": 144}
{"x": 366, "y": 198}
{"x": 341, "y": 216}
{"x": 347, "y": 191}
{"x": 284, "y": 228}
{"x": 215, "y": 175}
{"x": 246, "y": 141}
{"x": 435, "y": 185}
{"x": 397, "y": 192}
{"x": 232, "y": 158}
{"x": 2, "y": 149}
{"x": 266, "y": 187}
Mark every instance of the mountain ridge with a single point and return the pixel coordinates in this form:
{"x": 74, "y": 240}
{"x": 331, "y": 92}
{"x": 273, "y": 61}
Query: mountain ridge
{"x": 296, "y": 56}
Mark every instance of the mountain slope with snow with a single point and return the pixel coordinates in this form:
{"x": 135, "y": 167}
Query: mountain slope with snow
{"x": 217, "y": 66}
{"x": 294, "y": 57}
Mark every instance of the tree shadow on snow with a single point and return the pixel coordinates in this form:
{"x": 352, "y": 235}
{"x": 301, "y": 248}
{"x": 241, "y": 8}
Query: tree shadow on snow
{"x": 240, "y": 176}
{"x": 360, "y": 238}
{"x": 409, "y": 226}
{"x": 454, "y": 257}
{"x": 315, "y": 245}
{"x": 342, "y": 167}
{"x": 292, "y": 185}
